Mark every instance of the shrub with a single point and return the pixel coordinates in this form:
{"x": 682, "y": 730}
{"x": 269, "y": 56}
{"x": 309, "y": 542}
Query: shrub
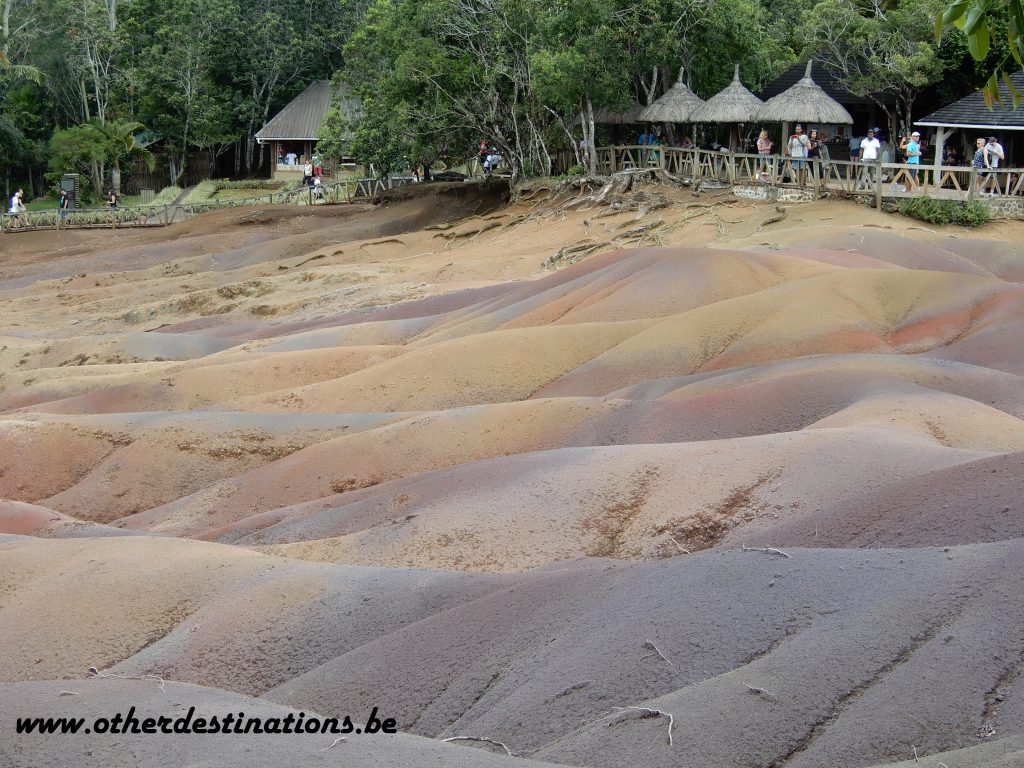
{"x": 576, "y": 170}
{"x": 974, "y": 214}
{"x": 943, "y": 212}
{"x": 250, "y": 184}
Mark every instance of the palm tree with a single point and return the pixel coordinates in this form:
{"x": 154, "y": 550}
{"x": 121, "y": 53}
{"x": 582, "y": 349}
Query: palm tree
{"x": 19, "y": 71}
{"x": 120, "y": 138}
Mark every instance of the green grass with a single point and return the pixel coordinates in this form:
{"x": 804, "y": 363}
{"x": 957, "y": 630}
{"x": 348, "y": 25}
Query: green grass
{"x": 201, "y": 193}
{"x": 942, "y": 212}
{"x": 242, "y": 194}
{"x": 166, "y": 196}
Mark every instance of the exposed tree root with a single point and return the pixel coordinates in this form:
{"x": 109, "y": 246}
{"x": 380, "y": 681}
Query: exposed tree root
{"x": 646, "y": 712}
{"x": 767, "y": 550}
{"x": 480, "y": 738}
{"x": 657, "y": 652}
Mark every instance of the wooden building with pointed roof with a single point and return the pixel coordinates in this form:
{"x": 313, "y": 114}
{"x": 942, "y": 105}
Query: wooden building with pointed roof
{"x": 294, "y": 131}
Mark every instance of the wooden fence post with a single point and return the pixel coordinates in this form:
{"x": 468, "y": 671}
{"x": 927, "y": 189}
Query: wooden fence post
{"x": 815, "y": 173}
{"x": 878, "y": 184}
{"x": 974, "y": 185}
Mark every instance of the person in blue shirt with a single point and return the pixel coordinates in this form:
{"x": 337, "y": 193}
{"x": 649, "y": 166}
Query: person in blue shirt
{"x": 912, "y": 148}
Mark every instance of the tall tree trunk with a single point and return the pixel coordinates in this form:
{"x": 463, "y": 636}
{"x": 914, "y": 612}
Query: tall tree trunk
{"x": 115, "y": 178}
{"x": 97, "y": 178}
{"x": 588, "y": 130}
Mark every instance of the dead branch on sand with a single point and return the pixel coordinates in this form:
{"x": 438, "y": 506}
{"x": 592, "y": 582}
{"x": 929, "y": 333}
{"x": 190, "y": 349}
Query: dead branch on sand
{"x": 767, "y": 550}
{"x": 306, "y": 261}
{"x": 472, "y": 233}
{"x": 782, "y": 213}
{"x": 682, "y": 549}
{"x": 646, "y": 712}
{"x": 483, "y": 739}
{"x": 334, "y": 743}
{"x": 382, "y": 242}
{"x": 657, "y": 652}
{"x": 93, "y": 672}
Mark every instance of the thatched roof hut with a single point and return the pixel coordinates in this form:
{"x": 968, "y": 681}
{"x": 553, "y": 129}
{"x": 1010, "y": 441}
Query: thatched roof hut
{"x": 735, "y": 104}
{"x": 676, "y": 105}
{"x": 804, "y": 102}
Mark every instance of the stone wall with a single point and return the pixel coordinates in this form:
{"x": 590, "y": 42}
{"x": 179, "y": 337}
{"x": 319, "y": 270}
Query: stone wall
{"x": 1005, "y": 207}
{"x": 773, "y": 194}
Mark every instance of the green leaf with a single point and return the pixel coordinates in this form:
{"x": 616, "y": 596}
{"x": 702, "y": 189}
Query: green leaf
{"x": 1014, "y": 93}
{"x": 970, "y": 22}
{"x": 953, "y": 12}
{"x": 979, "y": 40}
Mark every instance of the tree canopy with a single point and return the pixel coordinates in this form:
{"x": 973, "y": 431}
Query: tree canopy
{"x": 436, "y": 77}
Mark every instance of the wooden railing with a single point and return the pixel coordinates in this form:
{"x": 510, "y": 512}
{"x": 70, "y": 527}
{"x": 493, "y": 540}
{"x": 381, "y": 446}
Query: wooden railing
{"x": 853, "y": 178}
{"x": 343, "y": 191}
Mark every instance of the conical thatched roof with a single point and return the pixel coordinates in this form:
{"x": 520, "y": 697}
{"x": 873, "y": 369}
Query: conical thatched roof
{"x": 676, "y": 105}
{"x": 735, "y": 104}
{"x": 606, "y": 116}
{"x": 804, "y": 102}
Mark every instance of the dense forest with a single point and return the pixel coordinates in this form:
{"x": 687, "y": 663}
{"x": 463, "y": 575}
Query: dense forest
{"x": 81, "y": 79}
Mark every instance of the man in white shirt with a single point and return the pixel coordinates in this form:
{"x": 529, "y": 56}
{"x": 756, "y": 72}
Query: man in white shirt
{"x": 993, "y": 154}
{"x": 869, "y": 149}
{"x": 17, "y": 208}
{"x": 796, "y": 150}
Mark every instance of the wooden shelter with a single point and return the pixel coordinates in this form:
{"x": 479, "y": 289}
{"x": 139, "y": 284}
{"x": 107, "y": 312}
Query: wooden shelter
{"x": 732, "y": 106}
{"x": 295, "y": 129}
{"x": 804, "y": 102}
{"x": 974, "y": 119}
{"x": 864, "y": 110}
{"x": 676, "y": 105}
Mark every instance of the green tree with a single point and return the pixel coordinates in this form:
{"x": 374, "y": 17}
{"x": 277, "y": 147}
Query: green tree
{"x": 878, "y": 51}
{"x": 121, "y": 147}
{"x": 80, "y": 149}
{"x": 184, "y": 101}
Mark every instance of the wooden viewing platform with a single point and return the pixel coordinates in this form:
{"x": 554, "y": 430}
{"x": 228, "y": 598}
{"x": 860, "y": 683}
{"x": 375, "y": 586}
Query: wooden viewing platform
{"x": 889, "y": 180}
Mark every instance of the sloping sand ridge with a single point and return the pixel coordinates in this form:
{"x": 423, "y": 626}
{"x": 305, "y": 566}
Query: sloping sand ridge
{"x": 752, "y": 489}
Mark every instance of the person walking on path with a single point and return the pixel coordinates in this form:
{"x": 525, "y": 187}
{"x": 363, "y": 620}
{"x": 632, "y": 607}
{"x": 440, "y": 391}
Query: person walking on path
{"x": 17, "y": 208}
{"x": 63, "y": 203}
{"x": 994, "y": 153}
{"x": 796, "y": 149}
{"x": 912, "y": 148}
{"x": 869, "y": 149}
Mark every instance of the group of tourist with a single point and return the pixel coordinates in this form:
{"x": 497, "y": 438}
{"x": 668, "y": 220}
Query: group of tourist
{"x": 987, "y": 156}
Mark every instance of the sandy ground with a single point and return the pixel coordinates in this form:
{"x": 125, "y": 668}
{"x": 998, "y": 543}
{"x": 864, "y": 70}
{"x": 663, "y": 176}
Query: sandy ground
{"x": 398, "y": 455}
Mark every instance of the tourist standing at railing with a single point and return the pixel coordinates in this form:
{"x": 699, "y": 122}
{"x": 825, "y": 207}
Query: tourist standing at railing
{"x": 855, "y": 142}
{"x": 912, "y": 148}
{"x": 993, "y": 154}
{"x": 980, "y": 161}
{"x": 796, "y": 149}
{"x": 870, "y": 146}
{"x": 63, "y": 203}
{"x": 813, "y": 149}
{"x": 764, "y": 149}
